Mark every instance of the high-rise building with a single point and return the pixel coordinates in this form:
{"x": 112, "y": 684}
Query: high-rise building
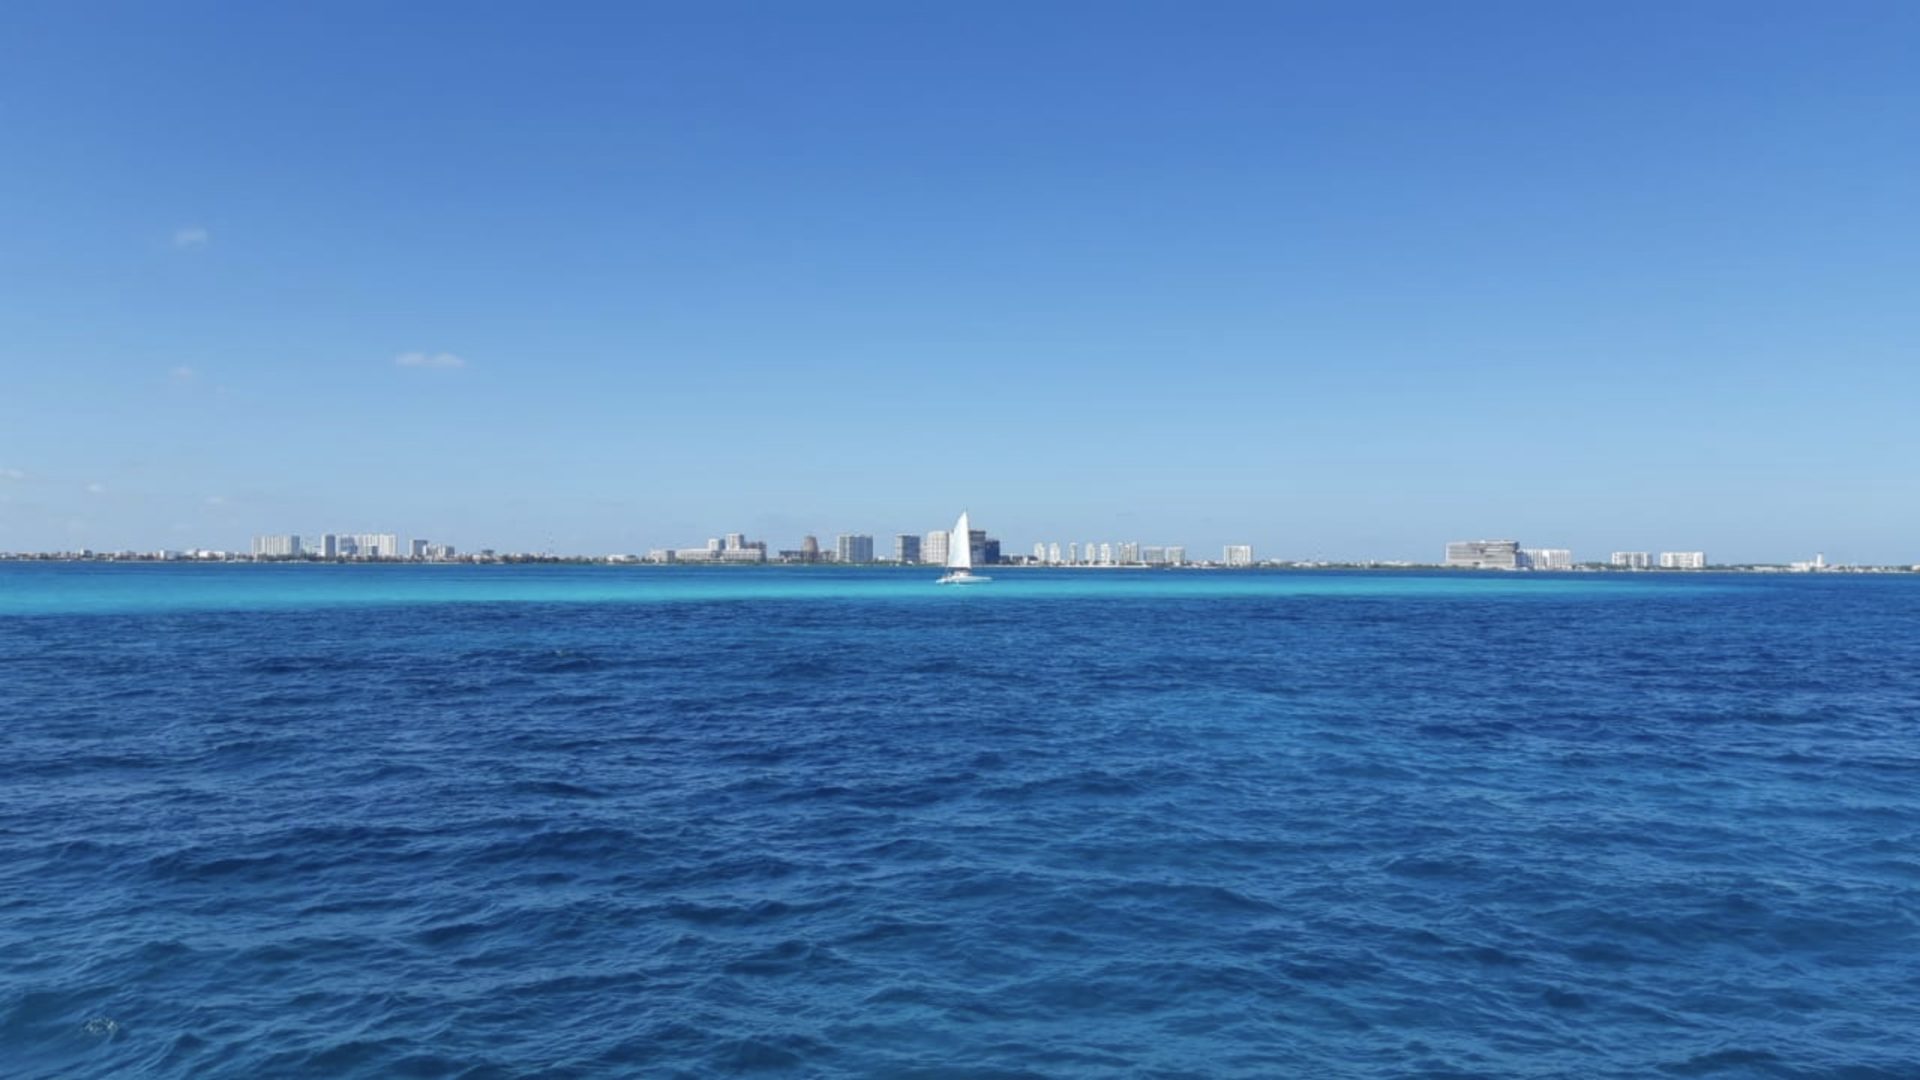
{"x": 977, "y": 545}
{"x": 329, "y": 546}
{"x": 1177, "y": 556}
{"x": 418, "y": 549}
{"x": 810, "y": 548}
{"x": 1073, "y": 554}
{"x": 1683, "y": 560}
{"x": 1237, "y": 555}
{"x": 1040, "y": 551}
{"x": 989, "y": 552}
{"x": 1106, "y": 554}
{"x": 276, "y": 547}
{"x": 853, "y": 548}
{"x": 933, "y": 548}
{"x": 1053, "y": 554}
{"x": 1153, "y": 556}
{"x": 366, "y": 545}
{"x": 1129, "y": 553}
{"x": 906, "y": 548}
{"x": 735, "y": 542}
{"x": 1631, "y": 560}
{"x": 1484, "y": 554}
{"x": 1547, "y": 559}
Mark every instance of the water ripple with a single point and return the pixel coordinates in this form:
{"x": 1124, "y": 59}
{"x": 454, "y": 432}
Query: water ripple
{"x": 1662, "y": 830}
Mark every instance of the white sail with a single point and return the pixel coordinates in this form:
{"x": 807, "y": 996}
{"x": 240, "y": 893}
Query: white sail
{"x": 960, "y": 545}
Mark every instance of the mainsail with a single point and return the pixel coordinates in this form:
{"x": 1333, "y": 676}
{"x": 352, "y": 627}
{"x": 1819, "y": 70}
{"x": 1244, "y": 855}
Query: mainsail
{"x": 960, "y": 545}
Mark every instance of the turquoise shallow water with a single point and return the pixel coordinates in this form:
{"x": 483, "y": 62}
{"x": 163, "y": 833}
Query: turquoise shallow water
{"x": 37, "y": 588}
{"x": 590, "y": 821}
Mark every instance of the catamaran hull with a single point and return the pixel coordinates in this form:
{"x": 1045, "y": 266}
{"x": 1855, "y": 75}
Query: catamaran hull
{"x": 963, "y": 579}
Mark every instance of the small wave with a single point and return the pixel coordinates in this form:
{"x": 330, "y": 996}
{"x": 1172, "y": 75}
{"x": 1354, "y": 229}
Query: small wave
{"x": 1734, "y": 1061}
{"x": 556, "y": 788}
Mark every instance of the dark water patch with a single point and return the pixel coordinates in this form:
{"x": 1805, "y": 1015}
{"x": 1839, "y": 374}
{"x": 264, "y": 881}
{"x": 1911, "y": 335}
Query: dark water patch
{"x": 588, "y": 844}
{"x": 559, "y": 662}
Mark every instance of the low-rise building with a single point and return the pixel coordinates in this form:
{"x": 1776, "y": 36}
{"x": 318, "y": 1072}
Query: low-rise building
{"x": 1683, "y": 560}
{"x": 1631, "y": 560}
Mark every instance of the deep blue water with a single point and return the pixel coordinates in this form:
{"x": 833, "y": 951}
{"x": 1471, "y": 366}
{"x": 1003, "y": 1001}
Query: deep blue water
{"x": 478, "y": 822}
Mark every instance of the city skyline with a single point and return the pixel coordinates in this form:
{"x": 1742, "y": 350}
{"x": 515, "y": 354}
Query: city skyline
{"x": 931, "y": 549}
{"x": 884, "y": 543}
{"x": 1337, "y": 289}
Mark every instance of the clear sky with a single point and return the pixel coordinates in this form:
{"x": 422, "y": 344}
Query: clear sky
{"x": 1339, "y": 280}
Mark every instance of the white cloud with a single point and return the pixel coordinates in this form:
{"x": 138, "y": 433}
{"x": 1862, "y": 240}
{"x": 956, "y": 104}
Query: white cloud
{"x": 183, "y": 373}
{"x": 12, "y": 474}
{"x": 190, "y": 237}
{"x": 96, "y": 488}
{"x": 429, "y": 360}
{"x": 216, "y": 500}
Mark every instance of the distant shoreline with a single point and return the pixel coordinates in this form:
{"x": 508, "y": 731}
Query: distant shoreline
{"x": 643, "y": 564}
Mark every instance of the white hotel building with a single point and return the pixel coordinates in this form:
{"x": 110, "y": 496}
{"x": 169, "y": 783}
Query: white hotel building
{"x": 1547, "y": 558}
{"x": 276, "y": 546}
{"x": 933, "y": 548}
{"x": 1484, "y": 554}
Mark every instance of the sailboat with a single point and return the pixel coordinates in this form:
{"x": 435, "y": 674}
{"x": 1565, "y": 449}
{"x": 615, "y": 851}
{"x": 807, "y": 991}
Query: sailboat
{"x": 960, "y": 556}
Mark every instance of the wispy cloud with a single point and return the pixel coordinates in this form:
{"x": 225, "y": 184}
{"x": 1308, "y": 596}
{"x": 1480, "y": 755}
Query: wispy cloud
{"x": 443, "y": 360}
{"x": 12, "y": 474}
{"x": 191, "y": 237}
{"x": 216, "y": 500}
{"x": 183, "y": 373}
{"x": 96, "y": 488}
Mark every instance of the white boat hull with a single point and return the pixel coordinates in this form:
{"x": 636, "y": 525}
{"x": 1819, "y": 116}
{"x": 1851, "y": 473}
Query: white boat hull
{"x": 961, "y": 577}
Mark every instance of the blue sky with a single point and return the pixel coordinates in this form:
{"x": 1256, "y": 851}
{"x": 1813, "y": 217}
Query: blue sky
{"x": 1336, "y": 280}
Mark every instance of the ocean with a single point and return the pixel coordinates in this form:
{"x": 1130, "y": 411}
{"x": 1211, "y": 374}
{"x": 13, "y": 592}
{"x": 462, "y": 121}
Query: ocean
{"x": 393, "y": 821}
